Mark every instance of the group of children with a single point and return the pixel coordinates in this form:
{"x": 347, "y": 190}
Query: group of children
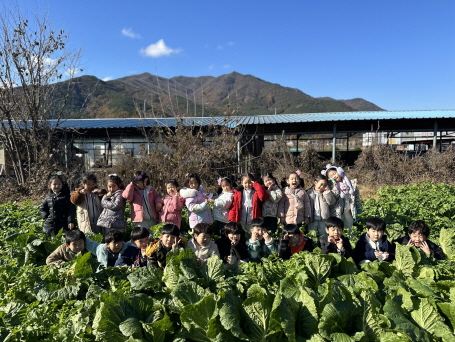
{"x": 243, "y": 215}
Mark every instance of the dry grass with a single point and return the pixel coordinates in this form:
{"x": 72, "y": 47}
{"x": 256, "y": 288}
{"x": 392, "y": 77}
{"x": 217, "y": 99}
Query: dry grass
{"x": 212, "y": 154}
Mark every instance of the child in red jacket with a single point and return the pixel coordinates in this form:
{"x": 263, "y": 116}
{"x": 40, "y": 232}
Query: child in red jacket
{"x": 173, "y": 204}
{"x": 247, "y": 201}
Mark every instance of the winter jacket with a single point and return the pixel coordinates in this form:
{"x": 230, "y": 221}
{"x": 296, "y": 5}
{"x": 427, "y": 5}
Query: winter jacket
{"x": 199, "y": 211}
{"x": 364, "y": 251}
{"x": 260, "y": 249}
{"x": 221, "y": 206}
{"x": 134, "y": 196}
{"x": 259, "y": 196}
{"x": 113, "y": 215}
{"x": 80, "y": 199}
{"x": 329, "y": 247}
{"x": 172, "y": 209}
{"x": 62, "y": 254}
{"x": 270, "y": 205}
{"x": 203, "y": 252}
{"x": 238, "y": 253}
{"x": 287, "y": 206}
{"x": 156, "y": 252}
{"x": 101, "y": 250}
{"x": 435, "y": 250}
{"x": 326, "y": 199}
{"x": 57, "y": 211}
{"x": 131, "y": 256}
{"x": 337, "y": 209}
{"x": 285, "y": 251}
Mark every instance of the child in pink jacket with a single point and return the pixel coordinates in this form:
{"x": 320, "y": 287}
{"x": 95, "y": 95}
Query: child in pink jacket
{"x": 145, "y": 201}
{"x": 173, "y": 204}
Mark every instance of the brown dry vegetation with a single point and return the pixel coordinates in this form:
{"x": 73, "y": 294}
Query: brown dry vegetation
{"x": 212, "y": 153}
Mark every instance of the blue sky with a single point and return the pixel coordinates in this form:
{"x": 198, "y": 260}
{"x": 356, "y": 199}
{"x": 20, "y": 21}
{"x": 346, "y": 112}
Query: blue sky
{"x": 399, "y": 54}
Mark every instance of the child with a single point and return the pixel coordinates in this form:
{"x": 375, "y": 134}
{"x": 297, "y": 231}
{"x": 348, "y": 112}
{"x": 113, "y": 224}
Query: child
{"x": 113, "y": 247}
{"x": 201, "y": 244}
{"x": 348, "y": 203}
{"x": 373, "y": 245}
{"x": 294, "y": 206}
{"x": 74, "y": 243}
{"x": 113, "y": 215}
{"x": 145, "y": 201}
{"x": 247, "y": 201}
{"x": 320, "y": 200}
{"x": 56, "y": 208}
{"x": 232, "y": 246}
{"x": 334, "y": 241}
{"x": 293, "y": 241}
{"x": 156, "y": 252}
{"x": 196, "y": 201}
{"x": 270, "y": 205}
{"x": 87, "y": 200}
{"x": 260, "y": 244}
{"x": 418, "y": 233}
{"x": 172, "y": 204}
{"x": 135, "y": 256}
{"x": 222, "y": 203}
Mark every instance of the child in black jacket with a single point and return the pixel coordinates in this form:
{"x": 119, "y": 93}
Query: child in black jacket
{"x": 232, "y": 246}
{"x": 293, "y": 241}
{"x": 418, "y": 233}
{"x": 334, "y": 241}
{"x": 56, "y": 208}
{"x": 373, "y": 245}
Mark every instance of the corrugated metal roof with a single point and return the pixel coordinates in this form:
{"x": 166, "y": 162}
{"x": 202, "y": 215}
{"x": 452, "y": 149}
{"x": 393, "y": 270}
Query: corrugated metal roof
{"x": 233, "y": 121}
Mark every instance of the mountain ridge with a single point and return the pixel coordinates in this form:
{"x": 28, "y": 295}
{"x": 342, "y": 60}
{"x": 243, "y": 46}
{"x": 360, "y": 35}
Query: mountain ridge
{"x": 229, "y": 94}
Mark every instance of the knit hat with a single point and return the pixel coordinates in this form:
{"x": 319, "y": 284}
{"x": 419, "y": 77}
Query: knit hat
{"x": 345, "y": 180}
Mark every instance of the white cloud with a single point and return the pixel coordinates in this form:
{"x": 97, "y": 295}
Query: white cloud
{"x": 43, "y": 62}
{"x": 227, "y": 66}
{"x": 230, "y": 43}
{"x": 158, "y": 49}
{"x": 220, "y": 47}
{"x": 108, "y": 78}
{"x": 211, "y": 66}
{"x": 128, "y": 32}
{"x": 47, "y": 67}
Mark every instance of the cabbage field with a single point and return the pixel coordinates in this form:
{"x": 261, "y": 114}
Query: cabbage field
{"x": 311, "y": 297}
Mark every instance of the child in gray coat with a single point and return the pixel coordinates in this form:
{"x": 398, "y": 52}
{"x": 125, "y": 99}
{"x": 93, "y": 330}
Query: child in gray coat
{"x": 321, "y": 198}
{"x": 113, "y": 215}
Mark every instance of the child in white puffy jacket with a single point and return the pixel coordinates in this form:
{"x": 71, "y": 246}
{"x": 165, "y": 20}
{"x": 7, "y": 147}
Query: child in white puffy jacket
{"x": 222, "y": 203}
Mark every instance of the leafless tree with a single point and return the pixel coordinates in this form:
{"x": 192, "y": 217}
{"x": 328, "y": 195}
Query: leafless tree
{"x": 33, "y": 59}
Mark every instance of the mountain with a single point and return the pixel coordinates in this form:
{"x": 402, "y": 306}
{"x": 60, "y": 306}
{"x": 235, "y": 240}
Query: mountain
{"x": 362, "y": 105}
{"x": 230, "y": 94}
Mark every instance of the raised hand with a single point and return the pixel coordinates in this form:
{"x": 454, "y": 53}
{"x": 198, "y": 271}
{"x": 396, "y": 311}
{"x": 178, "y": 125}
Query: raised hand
{"x": 175, "y": 245}
{"x": 424, "y": 246}
{"x": 339, "y": 243}
{"x": 267, "y": 237}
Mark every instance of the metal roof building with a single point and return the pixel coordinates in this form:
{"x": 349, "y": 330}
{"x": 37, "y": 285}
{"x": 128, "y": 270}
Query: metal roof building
{"x": 346, "y": 122}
